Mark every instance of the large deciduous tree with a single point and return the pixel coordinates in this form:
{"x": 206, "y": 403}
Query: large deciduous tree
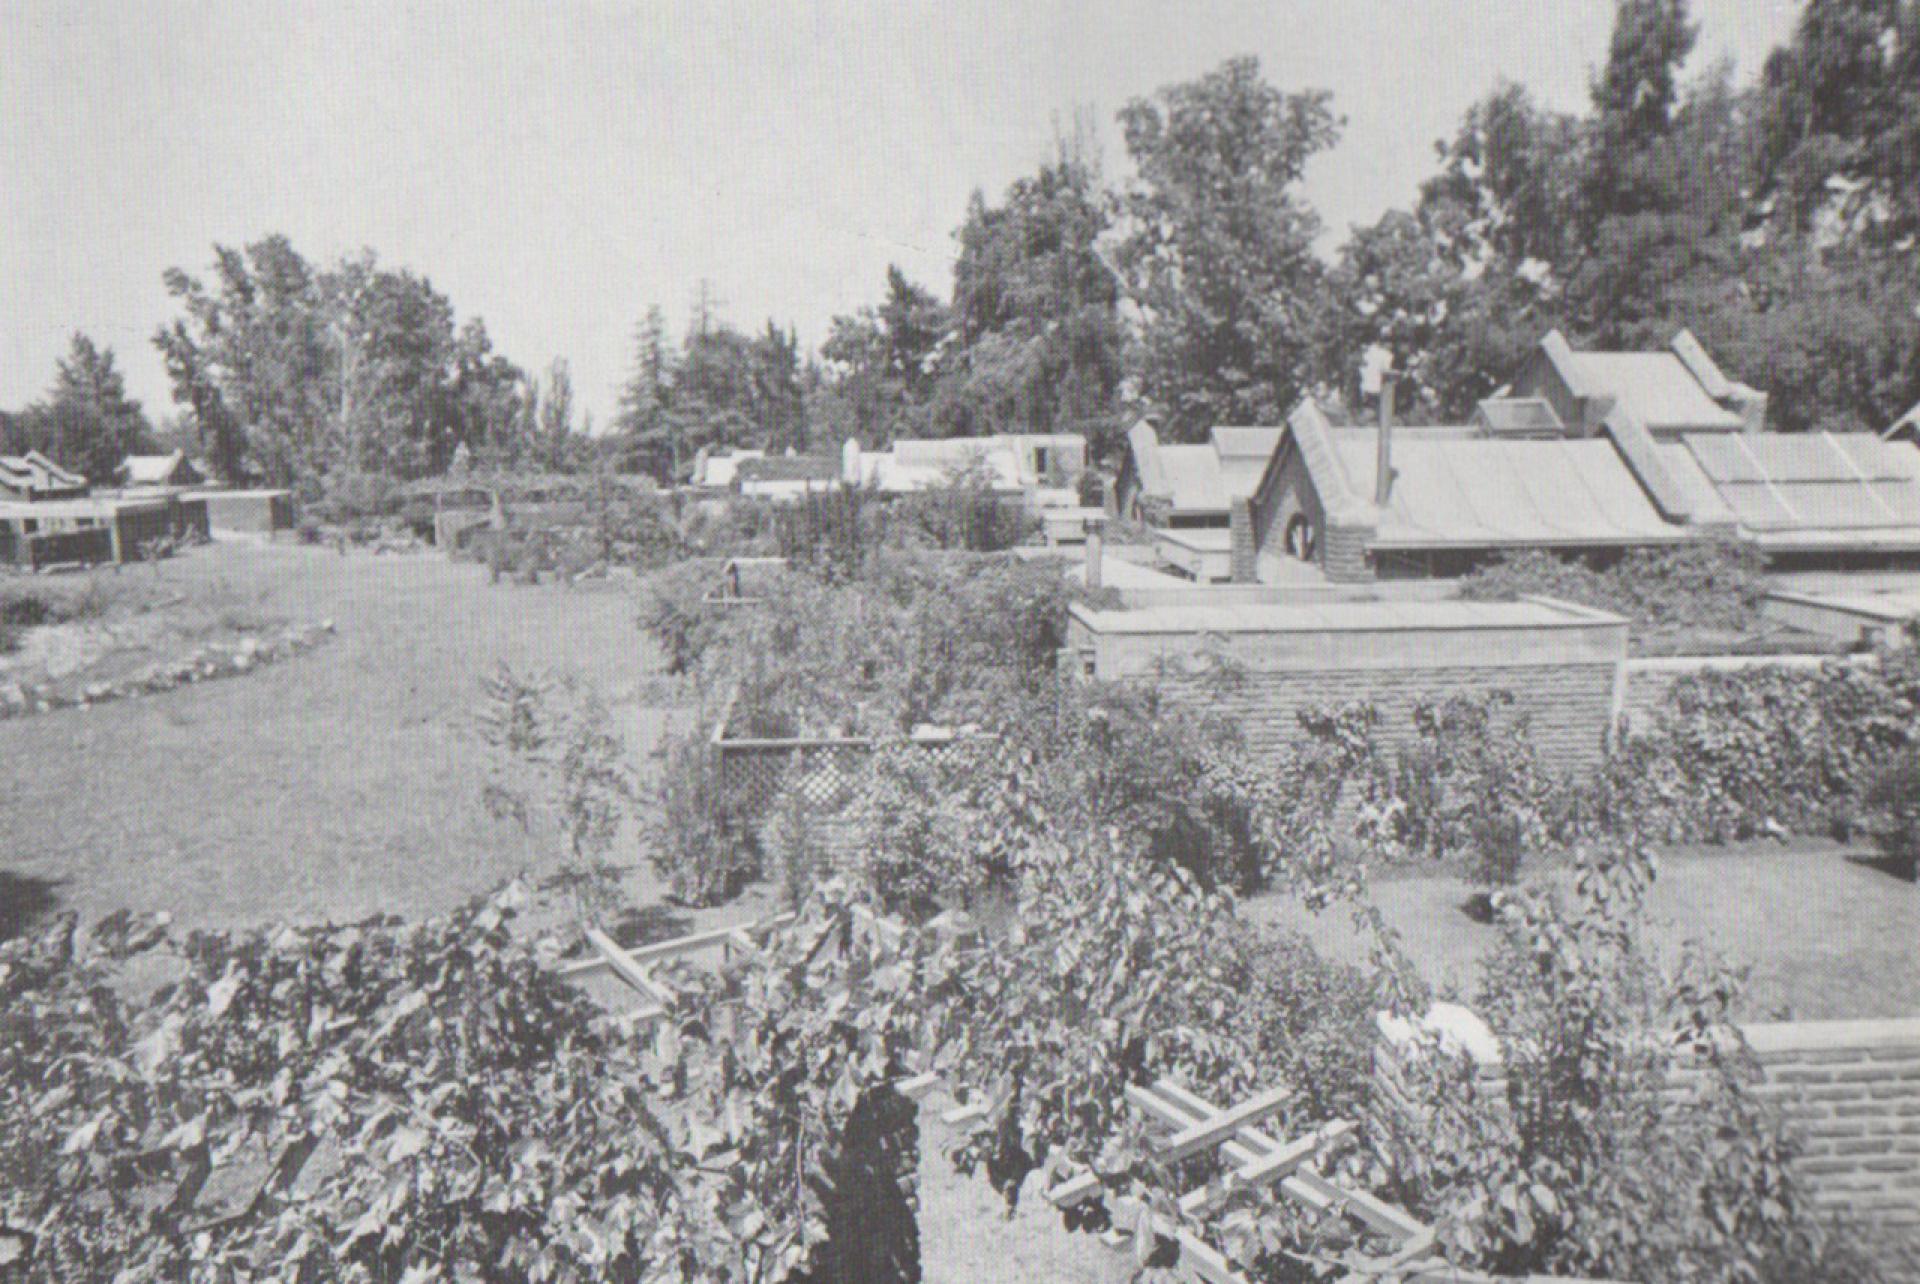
{"x": 292, "y": 374}
{"x": 1037, "y": 335}
{"x": 1218, "y": 246}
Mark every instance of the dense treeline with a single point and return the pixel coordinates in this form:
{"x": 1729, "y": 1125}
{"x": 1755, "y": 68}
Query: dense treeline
{"x": 1776, "y": 219}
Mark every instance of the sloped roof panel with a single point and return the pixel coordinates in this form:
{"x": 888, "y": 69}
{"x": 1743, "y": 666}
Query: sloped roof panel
{"x": 1657, "y": 387}
{"x": 1488, "y": 493}
{"x": 1252, "y": 442}
{"x": 1778, "y": 483}
{"x": 1190, "y": 477}
{"x": 1518, "y": 415}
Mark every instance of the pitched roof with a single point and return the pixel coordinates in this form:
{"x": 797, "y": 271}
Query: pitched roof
{"x": 1189, "y": 477}
{"x": 1251, "y": 443}
{"x": 1815, "y": 490}
{"x": 1483, "y": 493}
{"x": 34, "y": 472}
{"x": 151, "y": 470}
{"x": 919, "y": 463}
{"x": 721, "y": 467}
{"x": 1243, "y": 454}
{"x": 771, "y": 468}
{"x": 1660, "y": 391}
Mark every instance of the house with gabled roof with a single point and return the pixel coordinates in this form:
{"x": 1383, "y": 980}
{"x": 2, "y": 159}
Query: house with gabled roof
{"x": 1184, "y": 486}
{"x": 32, "y": 477}
{"x": 1676, "y": 392}
{"x": 154, "y": 472}
{"x": 1450, "y": 498}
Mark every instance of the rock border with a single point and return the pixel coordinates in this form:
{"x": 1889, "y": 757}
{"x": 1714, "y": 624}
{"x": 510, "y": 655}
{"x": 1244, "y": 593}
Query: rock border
{"x": 206, "y": 663}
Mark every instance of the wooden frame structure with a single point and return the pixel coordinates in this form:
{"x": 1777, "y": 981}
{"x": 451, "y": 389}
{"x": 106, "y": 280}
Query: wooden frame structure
{"x": 1185, "y": 1124}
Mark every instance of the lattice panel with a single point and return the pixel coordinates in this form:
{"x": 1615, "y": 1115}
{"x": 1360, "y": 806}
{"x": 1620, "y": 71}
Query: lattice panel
{"x": 829, "y": 777}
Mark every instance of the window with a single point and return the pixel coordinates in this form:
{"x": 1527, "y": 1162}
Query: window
{"x": 1302, "y": 540}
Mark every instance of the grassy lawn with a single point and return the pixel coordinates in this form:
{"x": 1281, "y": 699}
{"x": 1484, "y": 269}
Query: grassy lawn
{"x": 339, "y": 783}
{"x": 1825, "y": 933}
{"x": 347, "y": 781}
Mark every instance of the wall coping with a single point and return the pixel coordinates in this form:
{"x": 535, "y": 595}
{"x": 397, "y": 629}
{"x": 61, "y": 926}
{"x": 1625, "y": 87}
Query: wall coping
{"x": 1828, "y": 1036}
{"x": 1734, "y": 663}
{"x": 1764, "y": 1038}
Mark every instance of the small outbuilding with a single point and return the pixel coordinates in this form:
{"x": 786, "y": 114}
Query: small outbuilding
{"x": 32, "y": 477}
{"x": 157, "y": 472}
{"x": 1263, "y": 664}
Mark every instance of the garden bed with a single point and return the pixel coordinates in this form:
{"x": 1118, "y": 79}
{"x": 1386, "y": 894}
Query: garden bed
{"x": 82, "y": 641}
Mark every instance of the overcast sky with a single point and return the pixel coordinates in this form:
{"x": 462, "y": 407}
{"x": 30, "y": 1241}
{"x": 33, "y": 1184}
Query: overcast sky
{"x": 557, "y": 166}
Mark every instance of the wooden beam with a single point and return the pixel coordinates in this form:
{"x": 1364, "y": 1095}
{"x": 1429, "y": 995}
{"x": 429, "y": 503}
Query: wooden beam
{"x": 1197, "y": 1256}
{"x": 1205, "y": 1261}
{"x": 1176, "y": 1102}
{"x": 965, "y": 1114}
{"x": 694, "y": 942}
{"x": 1075, "y": 1190}
{"x": 1221, "y": 1125}
{"x": 1269, "y": 1168}
{"x": 917, "y": 1086}
{"x": 1376, "y": 1213}
{"x": 1248, "y": 1145}
{"x": 628, "y": 968}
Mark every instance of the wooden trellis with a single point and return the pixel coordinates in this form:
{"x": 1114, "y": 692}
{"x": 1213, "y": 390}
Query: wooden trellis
{"x": 1185, "y": 1124}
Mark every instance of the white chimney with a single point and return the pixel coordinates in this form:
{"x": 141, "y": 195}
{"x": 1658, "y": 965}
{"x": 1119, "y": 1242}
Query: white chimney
{"x": 1383, "y": 463}
{"x": 1095, "y": 529}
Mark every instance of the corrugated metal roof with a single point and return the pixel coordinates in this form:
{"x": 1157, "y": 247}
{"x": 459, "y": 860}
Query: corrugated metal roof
{"x": 1658, "y": 388}
{"x": 1488, "y": 493}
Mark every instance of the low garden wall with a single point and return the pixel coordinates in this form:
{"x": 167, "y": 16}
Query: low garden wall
{"x": 1649, "y": 680}
{"x": 1850, "y": 1090}
{"x": 1264, "y": 663}
{"x": 203, "y": 664}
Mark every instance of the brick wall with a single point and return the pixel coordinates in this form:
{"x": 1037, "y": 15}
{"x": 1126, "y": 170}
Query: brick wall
{"x": 1568, "y": 706}
{"x": 1852, "y": 1088}
{"x": 1344, "y": 554}
{"x": 1849, "y": 1091}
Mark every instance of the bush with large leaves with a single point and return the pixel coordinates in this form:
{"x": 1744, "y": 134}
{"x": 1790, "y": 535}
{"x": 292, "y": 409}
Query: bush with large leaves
{"x": 389, "y": 1101}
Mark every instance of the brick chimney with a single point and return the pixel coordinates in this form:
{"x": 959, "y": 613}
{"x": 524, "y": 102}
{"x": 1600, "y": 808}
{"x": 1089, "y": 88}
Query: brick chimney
{"x": 1240, "y": 519}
